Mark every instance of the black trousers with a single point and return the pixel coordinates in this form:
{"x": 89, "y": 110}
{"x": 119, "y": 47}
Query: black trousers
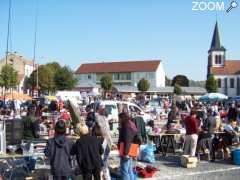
{"x": 87, "y": 174}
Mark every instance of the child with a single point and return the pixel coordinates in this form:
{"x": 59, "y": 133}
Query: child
{"x": 59, "y": 150}
{"x": 88, "y": 151}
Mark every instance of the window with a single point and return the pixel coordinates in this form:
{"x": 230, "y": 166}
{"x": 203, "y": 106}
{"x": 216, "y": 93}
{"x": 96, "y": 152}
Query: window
{"x": 116, "y": 76}
{"x": 216, "y": 59}
{"x": 150, "y": 75}
{"x": 128, "y": 76}
{"x": 11, "y": 61}
{"x": 220, "y": 59}
{"x": 89, "y": 76}
{"x": 232, "y": 83}
{"x": 219, "y": 83}
{"x": 122, "y": 76}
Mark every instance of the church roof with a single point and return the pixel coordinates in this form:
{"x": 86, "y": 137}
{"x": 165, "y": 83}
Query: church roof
{"x": 231, "y": 67}
{"x": 216, "y": 43}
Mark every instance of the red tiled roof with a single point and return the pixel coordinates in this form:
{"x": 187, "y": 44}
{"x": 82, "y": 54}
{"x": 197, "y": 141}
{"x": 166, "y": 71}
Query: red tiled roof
{"x": 231, "y": 67}
{"x": 127, "y": 66}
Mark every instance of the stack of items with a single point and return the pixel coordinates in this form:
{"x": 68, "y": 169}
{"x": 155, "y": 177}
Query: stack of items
{"x": 188, "y": 161}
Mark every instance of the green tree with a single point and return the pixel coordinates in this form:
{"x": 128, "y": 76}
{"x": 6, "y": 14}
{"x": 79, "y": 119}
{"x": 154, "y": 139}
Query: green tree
{"x": 64, "y": 79}
{"x": 180, "y": 80}
{"x": 1, "y": 84}
{"x": 54, "y": 66}
{"x": 1, "y": 81}
{"x": 177, "y": 89}
{"x": 211, "y": 84}
{"x": 9, "y": 77}
{"x": 143, "y": 85}
{"x": 45, "y": 79}
{"x": 106, "y": 83}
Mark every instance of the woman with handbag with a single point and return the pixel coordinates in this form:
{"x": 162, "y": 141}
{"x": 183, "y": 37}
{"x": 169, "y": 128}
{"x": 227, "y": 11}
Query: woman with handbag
{"x": 127, "y": 133}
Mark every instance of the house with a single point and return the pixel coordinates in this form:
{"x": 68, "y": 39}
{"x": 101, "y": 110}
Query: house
{"x": 226, "y": 72}
{"x": 23, "y": 66}
{"x": 125, "y": 73}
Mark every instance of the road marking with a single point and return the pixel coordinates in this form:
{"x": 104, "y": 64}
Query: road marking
{"x": 195, "y": 173}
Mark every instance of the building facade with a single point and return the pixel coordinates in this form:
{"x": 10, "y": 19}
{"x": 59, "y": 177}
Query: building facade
{"x": 23, "y": 66}
{"x": 226, "y": 72}
{"x": 123, "y": 73}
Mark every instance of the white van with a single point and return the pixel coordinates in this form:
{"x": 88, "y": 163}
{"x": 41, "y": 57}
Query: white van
{"x": 73, "y": 96}
{"x": 112, "y": 108}
{"x": 135, "y": 109}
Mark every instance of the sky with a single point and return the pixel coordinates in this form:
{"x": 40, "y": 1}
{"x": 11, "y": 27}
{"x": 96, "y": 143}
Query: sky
{"x": 73, "y": 32}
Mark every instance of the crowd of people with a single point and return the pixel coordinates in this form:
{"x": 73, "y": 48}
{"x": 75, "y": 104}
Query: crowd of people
{"x": 39, "y": 119}
{"x": 209, "y": 127}
{"x": 92, "y": 149}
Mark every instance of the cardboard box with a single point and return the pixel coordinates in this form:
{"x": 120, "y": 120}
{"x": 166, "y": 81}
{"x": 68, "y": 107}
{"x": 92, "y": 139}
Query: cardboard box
{"x": 189, "y": 162}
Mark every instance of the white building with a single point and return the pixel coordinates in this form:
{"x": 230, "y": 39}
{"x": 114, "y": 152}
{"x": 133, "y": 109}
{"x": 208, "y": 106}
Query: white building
{"x": 226, "y": 72}
{"x": 123, "y": 73}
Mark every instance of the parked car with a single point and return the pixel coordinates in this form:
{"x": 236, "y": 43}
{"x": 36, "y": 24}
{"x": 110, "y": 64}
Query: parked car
{"x": 112, "y": 109}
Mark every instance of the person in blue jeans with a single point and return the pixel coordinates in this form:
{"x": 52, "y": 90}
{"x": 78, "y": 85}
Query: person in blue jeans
{"x": 127, "y": 132}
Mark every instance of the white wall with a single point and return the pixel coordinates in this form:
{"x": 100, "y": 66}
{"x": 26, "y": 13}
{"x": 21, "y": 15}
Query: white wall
{"x": 83, "y": 78}
{"x": 137, "y": 76}
{"x": 28, "y": 69}
{"x": 160, "y": 76}
{"x": 230, "y": 91}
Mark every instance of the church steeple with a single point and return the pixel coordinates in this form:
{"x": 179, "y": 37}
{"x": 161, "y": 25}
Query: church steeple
{"x": 216, "y": 43}
{"x": 216, "y": 53}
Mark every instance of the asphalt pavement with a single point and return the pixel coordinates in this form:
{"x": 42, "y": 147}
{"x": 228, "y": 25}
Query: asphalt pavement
{"x": 170, "y": 169}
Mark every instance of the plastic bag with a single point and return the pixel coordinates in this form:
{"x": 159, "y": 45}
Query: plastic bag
{"x": 147, "y": 153}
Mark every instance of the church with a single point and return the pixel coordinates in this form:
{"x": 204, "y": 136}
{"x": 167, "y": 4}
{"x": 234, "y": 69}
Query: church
{"x": 226, "y": 72}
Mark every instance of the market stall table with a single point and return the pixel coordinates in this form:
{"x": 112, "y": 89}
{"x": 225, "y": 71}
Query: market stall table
{"x": 164, "y": 142}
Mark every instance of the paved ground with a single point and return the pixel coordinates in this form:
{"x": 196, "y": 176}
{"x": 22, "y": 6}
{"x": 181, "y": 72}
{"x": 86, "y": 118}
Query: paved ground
{"x": 170, "y": 169}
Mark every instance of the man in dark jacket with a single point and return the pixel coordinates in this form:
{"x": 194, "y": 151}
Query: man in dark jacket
{"x": 232, "y": 112}
{"x": 59, "y": 150}
{"x": 28, "y": 125}
{"x": 88, "y": 151}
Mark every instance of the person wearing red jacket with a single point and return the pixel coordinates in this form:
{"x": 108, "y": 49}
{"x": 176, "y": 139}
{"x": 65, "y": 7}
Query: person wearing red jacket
{"x": 191, "y": 134}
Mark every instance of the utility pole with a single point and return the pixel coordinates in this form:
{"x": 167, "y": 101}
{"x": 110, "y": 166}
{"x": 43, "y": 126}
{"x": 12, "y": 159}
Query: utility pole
{"x": 35, "y": 66}
{"x": 8, "y": 28}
